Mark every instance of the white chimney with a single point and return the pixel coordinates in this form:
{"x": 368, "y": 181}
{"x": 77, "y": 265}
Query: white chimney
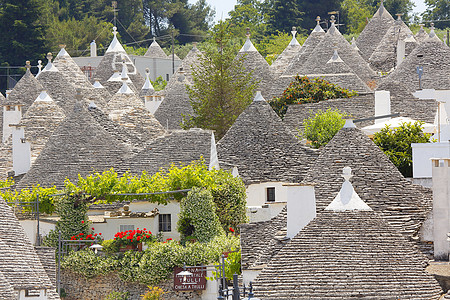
{"x": 301, "y": 206}
{"x": 441, "y": 205}
{"x": 93, "y": 49}
{"x": 21, "y": 150}
{"x": 401, "y": 50}
{"x": 382, "y": 105}
{"x": 11, "y": 115}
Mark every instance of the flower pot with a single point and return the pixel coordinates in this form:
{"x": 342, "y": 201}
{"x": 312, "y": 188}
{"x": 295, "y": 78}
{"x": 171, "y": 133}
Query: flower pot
{"x": 126, "y": 248}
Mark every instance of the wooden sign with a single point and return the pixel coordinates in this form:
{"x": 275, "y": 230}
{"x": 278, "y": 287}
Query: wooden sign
{"x": 196, "y": 281}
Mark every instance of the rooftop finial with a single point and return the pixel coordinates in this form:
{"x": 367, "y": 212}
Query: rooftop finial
{"x": 318, "y": 28}
{"x": 335, "y": 57}
{"x": 421, "y": 28}
{"x": 333, "y": 19}
{"x": 28, "y": 65}
{"x": 399, "y": 17}
{"x": 115, "y": 31}
{"x": 347, "y": 173}
{"x": 124, "y": 74}
{"x": 39, "y": 66}
{"x": 318, "y": 20}
{"x": 49, "y": 57}
{"x": 248, "y": 32}
{"x": 148, "y": 84}
{"x": 432, "y": 33}
{"x": 154, "y": 39}
{"x": 258, "y": 97}
{"x": 61, "y": 46}
{"x": 147, "y": 71}
{"x": 294, "y": 41}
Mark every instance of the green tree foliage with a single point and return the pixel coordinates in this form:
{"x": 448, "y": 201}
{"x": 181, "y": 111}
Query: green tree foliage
{"x": 354, "y": 14}
{"x": 283, "y": 14}
{"x": 78, "y": 34}
{"x": 313, "y": 8}
{"x": 305, "y": 90}
{"x": 22, "y": 31}
{"x": 198, "y": 218}
{"x": 222, "y": 87}
{"x": 273, "y": 45}
{"x": 394, "y": 7}
{"x": 438, "y": 10}
{"x": 396, "y": 144}
{"x": 321, "y": 128}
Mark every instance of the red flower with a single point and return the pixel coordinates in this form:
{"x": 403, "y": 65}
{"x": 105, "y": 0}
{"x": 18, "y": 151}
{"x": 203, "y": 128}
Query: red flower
{"x": 100, "y": 233}
{"x": 169, "y": 239}
{"x": 148, "y": 236}
{"x": 93, "y": 228}
{"x": 82, "y": 222}
{"x": 231, "y": 229}
{"x": 145, "y": 229}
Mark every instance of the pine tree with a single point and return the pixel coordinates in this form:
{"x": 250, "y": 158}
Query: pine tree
{"x": 222, "y": 88}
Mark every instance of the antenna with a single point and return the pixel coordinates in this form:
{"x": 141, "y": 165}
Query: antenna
{"x": 114, "y": 6}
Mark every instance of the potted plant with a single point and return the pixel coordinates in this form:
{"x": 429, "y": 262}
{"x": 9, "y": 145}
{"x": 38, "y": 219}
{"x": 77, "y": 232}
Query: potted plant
{"x": 133, "y": 239}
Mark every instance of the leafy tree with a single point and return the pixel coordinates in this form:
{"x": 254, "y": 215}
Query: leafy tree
{"x": 321, "y": 128}
{"x": 438, "y": 10}
{"x": 273, "y": 45}
{"x": 198, "y": 218}
{"x": 248, "y": 14}
{"x": 283, "y": 14}
{"x": 222, "y": 88}
{"x": 78, "y": 34}
{"x": 396, "y": 144}
{"x": 354, "y": 13}
{"x": 313, "y": 8}
{"x": 394, "y": 7}
{"x": 305, "y": 90}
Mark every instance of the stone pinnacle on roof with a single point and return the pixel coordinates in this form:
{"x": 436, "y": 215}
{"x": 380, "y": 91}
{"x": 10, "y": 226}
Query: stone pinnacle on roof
{"x": 148, "y": 84}
{"x": 347, "y": 198}
{"x": 258, "y": 97}
{"x": 63, "y": 51}
{"x": 50, "y": 67}
{"x": 115, "y": 45}
{"x": 39, "y": 67}
{"x": 248, "y": 45}
{"x": 28, "y": 66}
{"x": 294, "y": 41}
{"x": 318, "y": 28}
{"x": 432, "y": 33}
{"x": 124, "y": 73}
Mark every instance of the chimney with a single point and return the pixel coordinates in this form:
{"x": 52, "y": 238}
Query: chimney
{"x": 382, "y": 105}
{"x": 21, "y": 150}
{"x": 11, "y": 115}
{"x": 441, "y": 205}
{"x": 401, "y": 51}
{"x": 93, "y": 49}
{"x": 301, "y": 206}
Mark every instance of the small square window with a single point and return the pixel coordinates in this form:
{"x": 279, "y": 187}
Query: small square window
{"x": 270, "y": 194}
{"x": 165, "y": 222}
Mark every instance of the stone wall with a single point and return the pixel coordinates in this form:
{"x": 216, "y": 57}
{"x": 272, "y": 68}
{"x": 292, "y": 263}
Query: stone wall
{"x": 79, "y": 288}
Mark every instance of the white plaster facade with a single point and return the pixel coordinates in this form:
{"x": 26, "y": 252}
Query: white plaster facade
{"x": 11, "y": 115}
{"x": 21, "y": 151}
{"x": 422, "y": 154}
{"x": 109, "y": 226}
{"x": 33, "y": 295}
{"x": 30, "y": 227}
{"x": 258, "y": 208}
{"x": 301, "y": 207}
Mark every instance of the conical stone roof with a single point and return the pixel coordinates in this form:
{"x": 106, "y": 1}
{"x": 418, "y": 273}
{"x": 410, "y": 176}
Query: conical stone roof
{"x": 421, "y": 36}
{"x": 176, "y": 103}
{"x": 20, "y": 265}
{"x": 64, "y": 63}
{"x": 262, "y": 148}
{"x": 40, "y": 121}
{"x": 434, "y": 56}
{"x": 79, "y": 146}
{"x": 155, "y": 50}
{"x": 112, "y": 61}
{"x": 336, "y": 71}
{"x": 376, "y": 180}
{"x": 285, "y": 58}
{"x": 253, "y": 61}
{"x": 344, "y": 255}
{"x": 325, "y": 49}
{"x": 307, "y": 49}
{"x": 25, "y": 91}
{"x": 374, "y": 32}
{"x": 384, "y": 57}
{"x": 178, "y": 147}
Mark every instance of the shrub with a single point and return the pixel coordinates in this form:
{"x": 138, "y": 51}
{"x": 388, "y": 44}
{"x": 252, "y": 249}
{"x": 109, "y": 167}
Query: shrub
{"x": 133, "y": 237}
{"x": 396, "y": 144}
{"x": 198, "y": 214}
{"x": 321, "y": 128}
{"x": 154, "y": 293}
{"x": 117, "y": 296}
{"x": 305, "y": 90}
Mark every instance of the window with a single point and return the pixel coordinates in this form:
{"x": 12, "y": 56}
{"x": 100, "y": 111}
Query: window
{"x": 270, "y": 194}
{"x": 126, "y": 227}
{"x": 167, "y": 77}
{"x": 165, "y": 222}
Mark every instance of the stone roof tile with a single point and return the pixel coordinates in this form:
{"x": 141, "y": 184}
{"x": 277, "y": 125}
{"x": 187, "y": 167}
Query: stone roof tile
{"x": 155, "y": 50}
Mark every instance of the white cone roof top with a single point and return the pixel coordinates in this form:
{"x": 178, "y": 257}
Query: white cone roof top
{"x": 294, "y": 41}
{"x": 98, "y": 85}
{"x": 116, "y": 76}
{"x": 353, "y": 44}
{"x": 248, "y": 45}
{"x": 148, "y": 84}
{"x": 410, "y": 38}
{"x": 318, "y": 28}
{"x": 347, "y": 199}
{"x": 43, "y": 97}
{"x": 258, "y": 97}
{"x": 335, "y": 58}
{"x": 235, "y": 172}
{"x": 125, "y": 89}
{"x": 50, "y": 67}
{"x": 62, "y": 52}
{"x": 349, "y": 124}
{"x": 115, "y": 45}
